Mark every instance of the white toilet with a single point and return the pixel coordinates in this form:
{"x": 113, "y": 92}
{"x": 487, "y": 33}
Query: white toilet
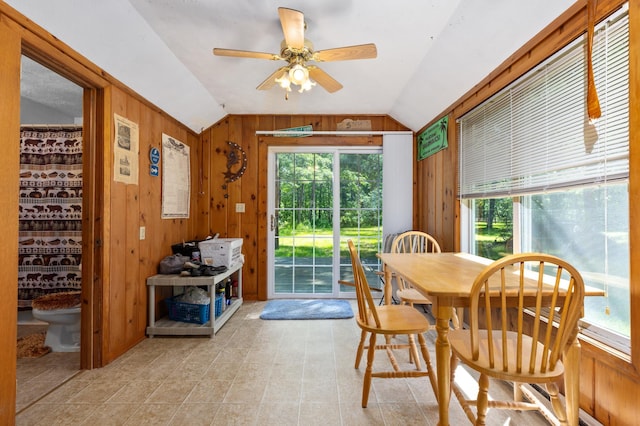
{"x": 62, "y": 313}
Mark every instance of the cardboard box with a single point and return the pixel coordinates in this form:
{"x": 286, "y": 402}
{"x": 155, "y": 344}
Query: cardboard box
{"x": 221, "y": 251}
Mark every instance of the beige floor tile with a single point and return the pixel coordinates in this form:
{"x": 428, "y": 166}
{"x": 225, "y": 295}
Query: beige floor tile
{"x": 278, "y": 413}
{"x": 352, "y": 414}
{"x": 208, "y": 391}
{"x": 319, "y": 413}
{"x": 289, "y": 391}
{"x": 135, "y": 392}
{"x": 253, "y": 372}
{"x": 172, "y": 391}
{"x": 248, "y": 391}
{"x": 236, "y": 414}
{"x": 110, "y": 414}
{"x": 152, "y": 414}
{"x": 199, "y": 414}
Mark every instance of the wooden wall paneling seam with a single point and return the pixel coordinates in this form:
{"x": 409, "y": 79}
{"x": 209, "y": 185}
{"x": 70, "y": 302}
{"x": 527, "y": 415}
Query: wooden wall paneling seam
{"x": 116, "y": 294}
{"x": 204, "y": 196}
{"x": 263, "y": 220}
{"x": 145, "y": 215}
{"x": 134, "y": 330}
{"x": 248, "y": 196}
{"x": 415, "y": 187}
{"x": 451, "y": 182}
{"x": 218, "y": 202}
{"x": 234, "y": 189}
{"x": 194, "y": 144}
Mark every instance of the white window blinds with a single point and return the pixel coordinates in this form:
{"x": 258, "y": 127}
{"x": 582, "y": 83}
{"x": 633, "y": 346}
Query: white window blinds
{"x": 534, "y": 135}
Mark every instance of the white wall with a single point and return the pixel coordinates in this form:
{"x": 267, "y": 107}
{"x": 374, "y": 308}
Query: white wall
{"x": 397, "y": 183}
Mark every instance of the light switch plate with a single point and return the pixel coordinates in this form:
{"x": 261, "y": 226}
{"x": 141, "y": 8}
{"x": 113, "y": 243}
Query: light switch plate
{"x": 143, "y": 233}
{"x": 239, "y": 207}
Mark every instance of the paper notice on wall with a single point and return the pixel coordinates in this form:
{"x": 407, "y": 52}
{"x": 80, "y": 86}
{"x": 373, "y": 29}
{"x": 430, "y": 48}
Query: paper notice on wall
{"x": 125, "y": 151}
{"x": 176, "y": 178}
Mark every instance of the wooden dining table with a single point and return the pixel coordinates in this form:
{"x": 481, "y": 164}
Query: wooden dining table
{"x": 446, "y": 278}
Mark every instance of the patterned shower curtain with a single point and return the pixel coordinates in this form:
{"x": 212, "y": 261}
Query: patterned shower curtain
{"x": 50, "y": 233}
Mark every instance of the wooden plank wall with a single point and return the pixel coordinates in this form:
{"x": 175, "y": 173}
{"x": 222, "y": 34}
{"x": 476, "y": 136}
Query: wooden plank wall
{"x": 610, "y": 381}
{"x": 217, "y": 199}
{"x": 130, "y": 207}
{"x": 116, "y": 262}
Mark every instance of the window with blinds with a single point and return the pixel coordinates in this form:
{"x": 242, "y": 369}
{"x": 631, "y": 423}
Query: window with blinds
{"x": 536, "y": 175}
{"x": 534, "y": 135}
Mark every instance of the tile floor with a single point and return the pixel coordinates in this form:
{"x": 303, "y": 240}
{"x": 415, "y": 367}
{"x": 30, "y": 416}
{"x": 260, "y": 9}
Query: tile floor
{"x": 253, "y": 372}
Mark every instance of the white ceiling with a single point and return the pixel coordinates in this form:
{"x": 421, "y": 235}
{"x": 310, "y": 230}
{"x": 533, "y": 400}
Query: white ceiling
{"x": 430, "y": 52}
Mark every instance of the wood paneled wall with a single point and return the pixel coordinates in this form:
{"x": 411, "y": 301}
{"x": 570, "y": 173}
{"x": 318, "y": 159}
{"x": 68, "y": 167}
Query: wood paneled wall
{"x": 130, "y": 207}
{"x": 116, "y": 262}
{"x": 610, "y": 381}
{"x": 216, "y": 199}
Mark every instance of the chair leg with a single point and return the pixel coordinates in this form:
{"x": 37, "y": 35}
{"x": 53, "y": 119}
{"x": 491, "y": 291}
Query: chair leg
{"x": 363, "y": 337}
{"x": 483, "y": 399}
{"x": 517, "y": 392}
{"x": 413, "y": 352}
{"x": 464, "y": 403}
{"x": 366, "y": 386}
{"x": 427, "y": 360}
{"x": 412, "y": 349}
{"x": 558, "y": 408}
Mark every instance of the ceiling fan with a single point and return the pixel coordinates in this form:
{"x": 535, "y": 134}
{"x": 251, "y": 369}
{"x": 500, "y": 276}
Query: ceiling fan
{"x": 297, "y": 51}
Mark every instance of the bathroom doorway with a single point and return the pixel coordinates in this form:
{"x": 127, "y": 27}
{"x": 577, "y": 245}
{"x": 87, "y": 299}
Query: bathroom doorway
{"x": 50, "y": 215}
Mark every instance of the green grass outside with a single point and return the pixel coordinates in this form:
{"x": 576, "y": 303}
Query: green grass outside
{"x": 322, "y": 241}
{"x": 490, "y": 243}
{"x": 493, "y": 243}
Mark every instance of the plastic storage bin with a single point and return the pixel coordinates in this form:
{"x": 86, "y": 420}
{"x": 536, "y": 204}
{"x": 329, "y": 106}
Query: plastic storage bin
{"x": 188, "y": 312}
{"x": 221, "y": 251}
{"x": 219, "y": 305}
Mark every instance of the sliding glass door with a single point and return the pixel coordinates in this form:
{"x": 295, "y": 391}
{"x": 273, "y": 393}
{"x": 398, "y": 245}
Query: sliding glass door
{"x": 319, "y": 197}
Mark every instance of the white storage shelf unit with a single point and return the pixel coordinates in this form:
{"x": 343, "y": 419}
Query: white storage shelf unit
{"x": 165, "y": 326}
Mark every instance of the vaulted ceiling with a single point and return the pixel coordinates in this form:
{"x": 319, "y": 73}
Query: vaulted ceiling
{"x": 429, "y": 52}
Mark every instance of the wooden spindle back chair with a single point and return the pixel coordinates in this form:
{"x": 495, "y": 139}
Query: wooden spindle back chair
{"x": 509, "y": 336}
{"x": 389, "y": 321}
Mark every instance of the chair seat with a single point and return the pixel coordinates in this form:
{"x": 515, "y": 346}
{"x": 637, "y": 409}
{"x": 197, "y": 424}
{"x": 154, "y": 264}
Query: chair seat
{"x": 398, "y": 319}
{"x": 412, "y": 296}
{"x": 459, "y": 340}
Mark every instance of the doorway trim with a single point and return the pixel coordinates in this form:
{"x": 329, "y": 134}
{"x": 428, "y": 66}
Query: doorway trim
{"x": 336, "y": 152}
{"x": 93, "y": 193}
{"x": 264, "y": 142}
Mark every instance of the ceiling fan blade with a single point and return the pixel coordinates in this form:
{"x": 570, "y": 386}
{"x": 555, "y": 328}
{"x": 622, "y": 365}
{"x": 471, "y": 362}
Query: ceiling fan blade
{"x": 271, "y": 80}
{"x": 323, "y": 79}
{"x": 361, "y": 51}
{"x": 292, "y": 26}
{"x": 245, "y": 54}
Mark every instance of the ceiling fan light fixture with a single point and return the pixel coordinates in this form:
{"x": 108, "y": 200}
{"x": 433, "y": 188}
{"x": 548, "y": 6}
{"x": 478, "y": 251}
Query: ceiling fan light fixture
{"x": 284, "y": 81}
{"x": 297, "y": 51}
{"x": 307, "y": 85}
{"x": 298, "y": 74}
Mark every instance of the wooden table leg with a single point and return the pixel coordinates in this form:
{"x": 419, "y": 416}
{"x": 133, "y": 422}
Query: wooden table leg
{"x": 571, "y": 361}
{"x": 388, "y": 285}
{"x": 443, "y": 359}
